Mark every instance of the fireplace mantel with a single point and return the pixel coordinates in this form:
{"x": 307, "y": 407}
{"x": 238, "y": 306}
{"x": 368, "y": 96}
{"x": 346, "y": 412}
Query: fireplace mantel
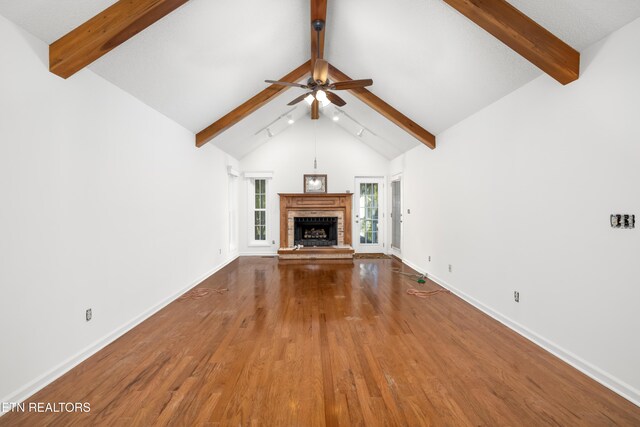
{"x": 315, "y": 204}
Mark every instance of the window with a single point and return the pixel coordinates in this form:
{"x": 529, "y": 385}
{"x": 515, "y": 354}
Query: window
{"x": 260, "y": 210}
{"x": 233, "y": 210}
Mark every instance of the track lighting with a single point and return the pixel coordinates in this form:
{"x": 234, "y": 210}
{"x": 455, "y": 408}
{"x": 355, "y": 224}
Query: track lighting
{"x": 337, "y": 113}
{"x": 288, "y": 115}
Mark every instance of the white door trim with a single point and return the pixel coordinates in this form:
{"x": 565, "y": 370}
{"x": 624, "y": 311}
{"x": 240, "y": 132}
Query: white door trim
{"x": 381, "y": 246}
{"x": 396, "y": 251}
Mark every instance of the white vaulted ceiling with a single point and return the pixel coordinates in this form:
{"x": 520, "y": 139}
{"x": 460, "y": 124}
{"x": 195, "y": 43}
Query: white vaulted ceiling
{"x": 428, "y": 61}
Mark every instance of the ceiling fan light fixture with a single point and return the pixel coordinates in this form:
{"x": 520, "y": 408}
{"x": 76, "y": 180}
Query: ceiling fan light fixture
{"x": 321, "y": 88}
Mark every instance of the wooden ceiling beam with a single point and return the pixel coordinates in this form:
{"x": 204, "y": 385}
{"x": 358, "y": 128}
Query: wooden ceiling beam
{"x": 523, "y": 35}
{"x": 251, "y": 105}
{"x": 315, "y": 110}
{"x": 318, "y": 12}
{"x": 386, "y": 110}
{"x": 104, "y": 32}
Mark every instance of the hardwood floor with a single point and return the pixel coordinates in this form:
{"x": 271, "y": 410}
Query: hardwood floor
{"x": 303, "y": 344}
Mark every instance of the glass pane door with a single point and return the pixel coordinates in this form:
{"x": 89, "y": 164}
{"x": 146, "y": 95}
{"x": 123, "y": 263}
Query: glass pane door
{"x": 369, "y": 212}
{"x": 396, "y": 214}
{"x": 368, "y": 215}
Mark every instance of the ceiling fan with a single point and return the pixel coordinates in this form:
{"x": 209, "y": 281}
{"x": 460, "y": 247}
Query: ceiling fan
{"x": 319, "y": 85}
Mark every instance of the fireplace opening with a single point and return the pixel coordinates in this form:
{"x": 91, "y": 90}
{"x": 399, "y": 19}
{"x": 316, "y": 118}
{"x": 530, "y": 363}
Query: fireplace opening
{"x": 315, "y": 231}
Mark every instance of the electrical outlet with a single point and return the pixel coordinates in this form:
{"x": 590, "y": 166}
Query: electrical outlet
{"x": 450, "y": 268}
{"x": 88, "y": 314}
{"x": 622, "y": 221}
{"x": 408, "y": 211}
{"x": 516, "y": 296}
{"x": 220, "y": 251}
{"x": 429, "y": 258}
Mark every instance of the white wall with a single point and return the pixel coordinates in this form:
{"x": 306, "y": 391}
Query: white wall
{"x": 289, "y": 156}
{"x": 106, "y": 204}
{"x": 518, "y": 197}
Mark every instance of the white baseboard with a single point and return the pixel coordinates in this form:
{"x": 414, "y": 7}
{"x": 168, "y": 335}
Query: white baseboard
{"x": 258, "y": 253}
{"x": 611, "y": 382}
{"x": 395, "y": 253}
{"x": 47, "y": 378}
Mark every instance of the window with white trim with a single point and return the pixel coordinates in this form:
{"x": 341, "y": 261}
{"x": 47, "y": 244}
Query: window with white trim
{"x": 259, "y": 210}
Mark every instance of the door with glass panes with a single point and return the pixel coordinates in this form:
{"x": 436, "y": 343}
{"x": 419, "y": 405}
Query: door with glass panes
{"x": 396, "y": 217}
{"x": 368, "y": 215}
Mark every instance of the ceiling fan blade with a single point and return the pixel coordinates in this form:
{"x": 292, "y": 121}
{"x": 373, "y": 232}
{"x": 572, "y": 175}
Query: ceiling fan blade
{"x": 287, "y": 84}
{"x": 335, "y": 99}
{"x": 350, "y": 84}
{"x": 321, "y": 71}
{"x": 300, "y": 98}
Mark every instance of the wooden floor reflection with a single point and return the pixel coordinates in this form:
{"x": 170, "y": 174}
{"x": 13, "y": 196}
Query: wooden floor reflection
{"x": 306, "y": 344}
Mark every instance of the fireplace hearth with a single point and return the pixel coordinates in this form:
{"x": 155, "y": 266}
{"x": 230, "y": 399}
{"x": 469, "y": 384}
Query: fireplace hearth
{"x": 315, "y": 231}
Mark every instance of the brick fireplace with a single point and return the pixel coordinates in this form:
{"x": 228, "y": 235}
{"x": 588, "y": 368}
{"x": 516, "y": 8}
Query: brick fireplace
{"x": 320, "y": 222}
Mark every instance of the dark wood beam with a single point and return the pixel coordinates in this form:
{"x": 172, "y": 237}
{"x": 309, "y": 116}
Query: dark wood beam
{"x": 239, "y": 113}
{"x": 524, "y": 35}
{"x": 104, "y": 32}
{"x": 315, "y": 110}
{"x": 318, "y": 11}
{"x": 386, "y": 110}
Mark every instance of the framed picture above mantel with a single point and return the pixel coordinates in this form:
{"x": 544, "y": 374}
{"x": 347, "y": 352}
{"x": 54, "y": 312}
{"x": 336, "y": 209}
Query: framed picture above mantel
{"x": 314, "y": 183}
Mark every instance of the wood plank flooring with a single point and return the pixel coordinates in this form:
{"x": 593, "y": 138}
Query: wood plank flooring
{"x": 304, "y": 344}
